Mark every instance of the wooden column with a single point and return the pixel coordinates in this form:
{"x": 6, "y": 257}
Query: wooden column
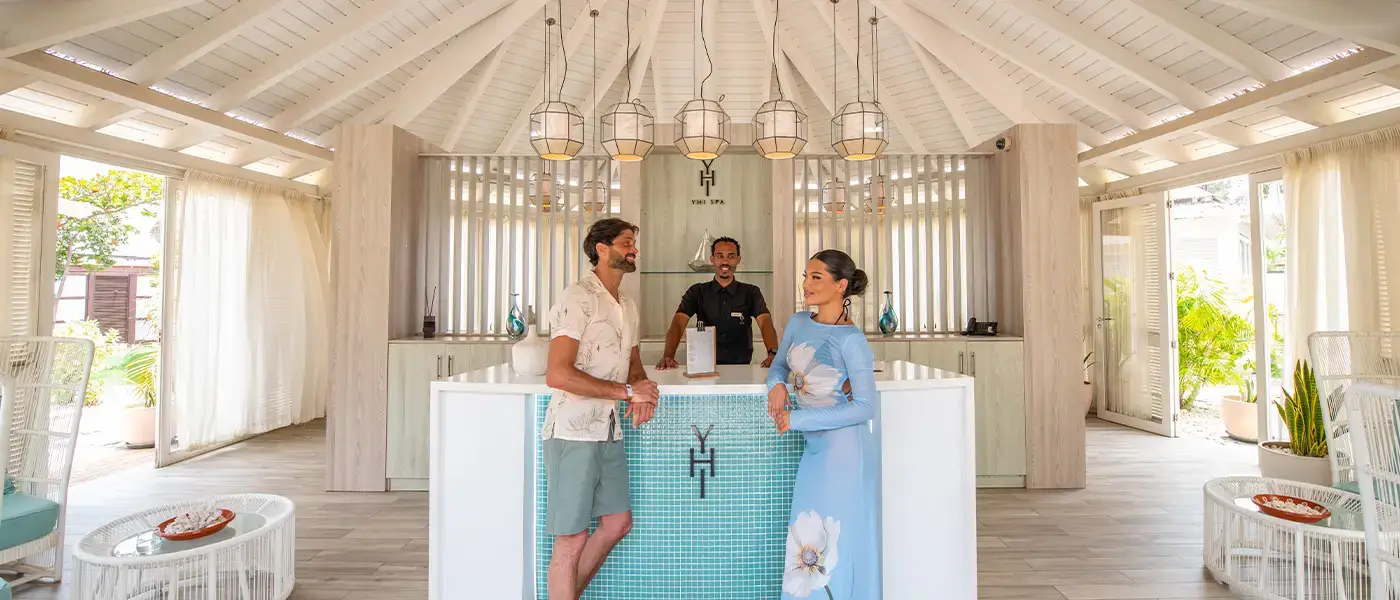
{"x": 376, "y": 233}
{"x": 785, "y": 269}
{"x": 1035, "y": 204}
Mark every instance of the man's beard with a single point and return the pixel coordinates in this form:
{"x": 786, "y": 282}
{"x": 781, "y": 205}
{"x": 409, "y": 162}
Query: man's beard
{"x": 619, "y": 262}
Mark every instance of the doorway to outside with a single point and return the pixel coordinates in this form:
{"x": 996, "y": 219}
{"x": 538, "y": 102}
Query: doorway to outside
{"x": 1190, "y": 296}
{"x": 107, "y": 290}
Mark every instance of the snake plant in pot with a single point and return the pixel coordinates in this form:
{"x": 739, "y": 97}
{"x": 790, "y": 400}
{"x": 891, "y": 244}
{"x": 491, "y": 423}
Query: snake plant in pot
{"x": 1304, "y": 456}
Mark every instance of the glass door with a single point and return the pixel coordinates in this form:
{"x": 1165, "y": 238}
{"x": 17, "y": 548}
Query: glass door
{"x": 1134, "y": 315}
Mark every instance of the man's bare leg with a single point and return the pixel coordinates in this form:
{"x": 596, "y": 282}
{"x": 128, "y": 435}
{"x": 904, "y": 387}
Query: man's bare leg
{"x": 563, "y": 578}
{"x": 611, "y": 529}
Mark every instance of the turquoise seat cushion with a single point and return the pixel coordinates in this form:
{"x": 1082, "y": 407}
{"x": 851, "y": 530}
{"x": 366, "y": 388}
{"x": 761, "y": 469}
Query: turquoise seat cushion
{"x": 4, "y": 590}
{"x": 25, "y": 518}
{"x": 1349, "y": 486}
{"x": 9, "y": 485}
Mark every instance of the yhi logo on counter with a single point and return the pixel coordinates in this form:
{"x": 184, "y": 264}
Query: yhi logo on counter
{"x": 702, "y": 461}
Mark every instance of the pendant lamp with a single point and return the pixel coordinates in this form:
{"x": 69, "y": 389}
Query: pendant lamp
{"x": 780, "y": 126}
{"x": 858, "y": 130}
{"x": 628, "y": 128}
{"x": 702, "y": 126}
{"x": 556, "y": 127}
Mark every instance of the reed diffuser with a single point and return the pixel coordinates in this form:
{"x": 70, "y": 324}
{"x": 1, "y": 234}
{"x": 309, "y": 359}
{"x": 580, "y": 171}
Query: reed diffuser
{"x": 429, "y": 319}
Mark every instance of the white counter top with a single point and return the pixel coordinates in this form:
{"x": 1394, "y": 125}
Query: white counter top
{"x": 733, "y": 379}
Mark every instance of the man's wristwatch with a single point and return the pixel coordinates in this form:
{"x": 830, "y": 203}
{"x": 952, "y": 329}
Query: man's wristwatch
{"x": 629, "y": 390}
{"x": 772, "y": 352}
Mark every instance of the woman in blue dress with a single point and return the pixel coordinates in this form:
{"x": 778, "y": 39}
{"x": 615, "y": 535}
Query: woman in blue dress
{"x": 832, "y": 551}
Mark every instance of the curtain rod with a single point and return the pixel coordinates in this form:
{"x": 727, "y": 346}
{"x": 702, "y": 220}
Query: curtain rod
{"x": 606, "y": 157}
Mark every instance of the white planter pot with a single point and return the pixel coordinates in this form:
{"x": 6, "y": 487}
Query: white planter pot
{"x": 1241, "y": 419}
{"x": 1280, "y": 464}
{"x": 139, "y": 427}
{"x": 1088, "y": 397}
{"x": 530, "y": 356}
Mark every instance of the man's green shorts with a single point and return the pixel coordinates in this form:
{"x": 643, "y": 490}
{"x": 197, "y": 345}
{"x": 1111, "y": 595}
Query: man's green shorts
{"x": 585, "y": 480}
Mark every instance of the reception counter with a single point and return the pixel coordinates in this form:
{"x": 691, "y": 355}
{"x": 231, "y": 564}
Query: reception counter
{"x": 711, "y": 488}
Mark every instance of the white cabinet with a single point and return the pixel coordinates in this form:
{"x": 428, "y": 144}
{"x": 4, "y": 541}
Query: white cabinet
{"x": 997, "y": 368}
{"x": 413, "y": 365}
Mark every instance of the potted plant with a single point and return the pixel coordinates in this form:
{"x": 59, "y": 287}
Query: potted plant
{"x": 1304, "y": 456}
{"x": 1240, "y": 413}
{"x": 1088, "y": 384}
{"x": 136, "y": 369}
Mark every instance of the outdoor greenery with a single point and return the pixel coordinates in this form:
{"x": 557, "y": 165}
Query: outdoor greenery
{"x": 89, "y": 240}
{"x": 136, "y": 368}
{"x": 1212, "y": 337}
{"x": 108, "y": 344}
{"x": 1302, "y": 414}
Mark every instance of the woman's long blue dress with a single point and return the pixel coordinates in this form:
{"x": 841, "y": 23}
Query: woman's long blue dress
{"x": 832, "y": 545}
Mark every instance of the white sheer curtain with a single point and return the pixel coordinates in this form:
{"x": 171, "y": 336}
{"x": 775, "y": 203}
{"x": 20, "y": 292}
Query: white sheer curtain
{"x": 1343, "y": 236}
{"x": 246, "y": 332}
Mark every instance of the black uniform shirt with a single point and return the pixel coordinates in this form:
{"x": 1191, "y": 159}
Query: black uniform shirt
{"x": 729, "y": 309}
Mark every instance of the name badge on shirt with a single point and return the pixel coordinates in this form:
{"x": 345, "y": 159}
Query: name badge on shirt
{"x": 737, "y": 315}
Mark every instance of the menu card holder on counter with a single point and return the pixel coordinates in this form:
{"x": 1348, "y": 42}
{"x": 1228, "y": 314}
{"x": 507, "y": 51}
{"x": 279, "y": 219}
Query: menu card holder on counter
{"x": 700, "y": 351}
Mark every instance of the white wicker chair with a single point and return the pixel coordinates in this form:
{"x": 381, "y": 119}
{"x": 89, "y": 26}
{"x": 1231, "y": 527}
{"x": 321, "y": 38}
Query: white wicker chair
{"x": 1374, "y": 412}
{"x": 48, "y": 377}
{"x": 1340, "y": 359}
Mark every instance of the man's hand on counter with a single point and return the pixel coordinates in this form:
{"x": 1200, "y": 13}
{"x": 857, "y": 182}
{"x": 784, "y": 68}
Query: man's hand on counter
{"x": 667, "y": 362}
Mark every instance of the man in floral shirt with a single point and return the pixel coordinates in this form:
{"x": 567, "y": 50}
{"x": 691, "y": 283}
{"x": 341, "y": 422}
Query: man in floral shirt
{"x": 594, "y": 361}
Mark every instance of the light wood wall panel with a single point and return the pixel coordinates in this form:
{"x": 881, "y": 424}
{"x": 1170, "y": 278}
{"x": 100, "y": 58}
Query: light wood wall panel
{"x": 672, "y": 226}
{"x": 376, "y": 274}
{"x": 1039, "y": 293}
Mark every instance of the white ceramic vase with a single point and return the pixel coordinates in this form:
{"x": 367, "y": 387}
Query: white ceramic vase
{"x": 1241, "y": 418}
{"x": 139, "y": 426}
{"x": 530, "y": 355}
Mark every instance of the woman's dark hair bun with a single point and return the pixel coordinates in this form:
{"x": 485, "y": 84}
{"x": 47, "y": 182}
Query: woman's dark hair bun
{"x": 840, "y": 265}
{"x": 858, "y": 283}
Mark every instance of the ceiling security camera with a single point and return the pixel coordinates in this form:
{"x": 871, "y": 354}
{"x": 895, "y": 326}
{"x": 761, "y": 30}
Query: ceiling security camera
{"x": 1003, "y": 144}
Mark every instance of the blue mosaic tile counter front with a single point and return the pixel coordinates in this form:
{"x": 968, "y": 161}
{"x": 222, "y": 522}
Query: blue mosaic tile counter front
{"x": 727, "y": 546}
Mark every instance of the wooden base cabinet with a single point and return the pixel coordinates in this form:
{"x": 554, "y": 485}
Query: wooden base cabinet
{"x": 413, "y": 365}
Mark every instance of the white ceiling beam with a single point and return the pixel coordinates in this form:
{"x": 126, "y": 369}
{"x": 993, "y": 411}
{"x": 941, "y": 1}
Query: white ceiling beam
{"x": 1234, "y": 134}
{"x": 1273, "y": 147}
{"x": 173, "y": 56}
{"x": 1215, "y": 41}
{"x": 302, "y": 168}
{"x": 577, "y": 32}
{"x": 964, "y": 60}
{"x": 75, "y": 136}
{"x": 12, "y": 80}
{"x": 97, "y": 83}
{"x": 1040, "y": 67}
{"x": 1368, "y": 22}
{"x": 1313, "y": 112}
{"x": 37, "y": 24}
{"x": 944, "y": 89}
{"x": 1129, "y": 62}
{"x": 1390, "y": 77}
{"x": 893, "y": 108}
{"x": 281, "y": 67}
{"x": 464, "y": 114}
{"x": 1325, "y": 77}
{"x": 463, "y": 22}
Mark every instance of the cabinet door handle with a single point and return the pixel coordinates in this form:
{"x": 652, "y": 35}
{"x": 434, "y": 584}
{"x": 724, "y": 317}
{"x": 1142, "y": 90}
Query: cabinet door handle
{"x": 439, "y": 367}
{"x": 973, "y": 363}
{"x": 450, "y": 372}
{"x": 962, "y": 362}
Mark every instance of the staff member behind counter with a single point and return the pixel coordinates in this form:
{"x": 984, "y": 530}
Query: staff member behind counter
{"x": 727, "y": 305}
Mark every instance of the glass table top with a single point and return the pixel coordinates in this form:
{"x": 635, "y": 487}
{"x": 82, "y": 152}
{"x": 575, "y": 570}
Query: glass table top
{"x": 147, "y": 543}
{"x": 1341, "y": 519}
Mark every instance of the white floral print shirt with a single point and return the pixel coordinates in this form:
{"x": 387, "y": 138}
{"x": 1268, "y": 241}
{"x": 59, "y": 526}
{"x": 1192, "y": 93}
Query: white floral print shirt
{"x": 607, "y": 330}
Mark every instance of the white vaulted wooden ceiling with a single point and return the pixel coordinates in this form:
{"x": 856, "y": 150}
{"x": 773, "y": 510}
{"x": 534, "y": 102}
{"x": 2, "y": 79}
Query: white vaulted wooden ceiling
{"x": 463, "y": 74}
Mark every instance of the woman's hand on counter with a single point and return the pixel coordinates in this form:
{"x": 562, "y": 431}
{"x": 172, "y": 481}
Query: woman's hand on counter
{"x": 782, "y": 421}
{"x": 777, "y": 400}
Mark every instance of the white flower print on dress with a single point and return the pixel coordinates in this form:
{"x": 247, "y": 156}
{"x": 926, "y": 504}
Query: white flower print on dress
{"x": 811, "y": 554}
{"x": 812, "y": 379}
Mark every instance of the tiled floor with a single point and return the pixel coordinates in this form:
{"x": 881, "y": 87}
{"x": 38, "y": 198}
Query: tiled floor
{"x": 1134, "y": 533}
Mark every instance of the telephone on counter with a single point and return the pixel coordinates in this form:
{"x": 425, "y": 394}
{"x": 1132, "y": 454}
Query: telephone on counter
{"x": 975, "y": 327}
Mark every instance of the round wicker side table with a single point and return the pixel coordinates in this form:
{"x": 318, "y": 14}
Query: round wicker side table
{"x": 253, "y": 558}
{"x": 1260, "y": 556}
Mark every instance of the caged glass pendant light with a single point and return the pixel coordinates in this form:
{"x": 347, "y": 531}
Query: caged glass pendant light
{"x": 542, "y": 192}
{"x": 556, "y": 127}
{"x": 876, "y": 185}
{"x": 781, "y": 126}
{"x": 627, "y": 128}
{"x": 858, "y": 130}
{"x": 702, "y": 126}
{"x": 594, "y": 195}
{"x": 834, "y": 195}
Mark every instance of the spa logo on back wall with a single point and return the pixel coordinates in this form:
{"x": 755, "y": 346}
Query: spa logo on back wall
{"x": 703, "y": 462}
{"x": 707, "y": 180}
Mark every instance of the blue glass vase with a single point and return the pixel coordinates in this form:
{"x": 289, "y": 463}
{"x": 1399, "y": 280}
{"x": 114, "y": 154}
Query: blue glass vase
{"x": 515, "y": 321}
{"x": 889, "y": 321}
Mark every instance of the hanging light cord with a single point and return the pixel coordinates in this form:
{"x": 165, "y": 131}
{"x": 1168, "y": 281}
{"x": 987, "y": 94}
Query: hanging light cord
{"x": 859, "y": 81}
{"x": 547, "y": 53}
{"x": 777, "y": 10}
{"x": 628, "y": 49}
{"x": 833, "y": 55}
{"x": 706, "y": 47}
{"x": 875, "y": 49}
{"x": 593, "y": 14}
{"x": 563, "y": 52}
